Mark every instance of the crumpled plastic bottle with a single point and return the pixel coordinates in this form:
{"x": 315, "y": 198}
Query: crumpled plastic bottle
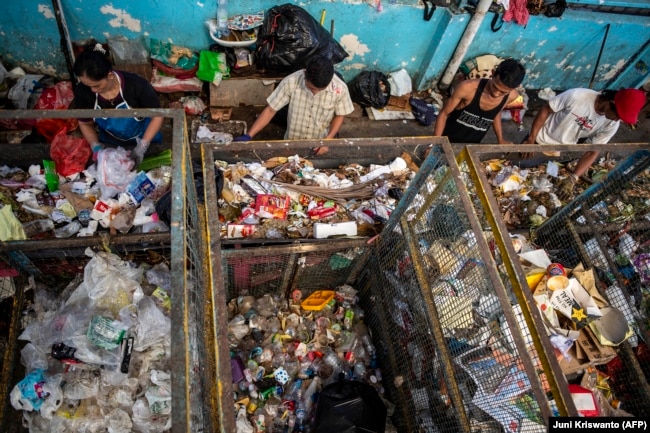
{"x": 68, "y": 230}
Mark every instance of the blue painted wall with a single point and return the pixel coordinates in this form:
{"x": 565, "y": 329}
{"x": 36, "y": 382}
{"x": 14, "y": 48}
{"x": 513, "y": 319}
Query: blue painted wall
{"x": 558, "y": 52}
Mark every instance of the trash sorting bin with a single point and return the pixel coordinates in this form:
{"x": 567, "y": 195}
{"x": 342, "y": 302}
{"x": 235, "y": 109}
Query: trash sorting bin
{"x": 449, "y": 343}
{"x": 600, "y": 233}
{"x": 34, "y": 268}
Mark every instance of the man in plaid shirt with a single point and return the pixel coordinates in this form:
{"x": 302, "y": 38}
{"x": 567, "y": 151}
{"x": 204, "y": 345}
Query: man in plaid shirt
{"x": 318, "y": 102}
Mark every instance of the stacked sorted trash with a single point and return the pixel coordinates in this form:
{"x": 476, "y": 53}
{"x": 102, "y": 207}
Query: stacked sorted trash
{"x": 97, "y": 356}
{"x": 285, "y": 198}
{"x": 110, "y": 196}
{"x": 285, "y": 352}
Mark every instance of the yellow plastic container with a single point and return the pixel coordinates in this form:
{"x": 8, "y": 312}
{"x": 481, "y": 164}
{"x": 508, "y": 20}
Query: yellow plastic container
{"x": 317, "y": 300}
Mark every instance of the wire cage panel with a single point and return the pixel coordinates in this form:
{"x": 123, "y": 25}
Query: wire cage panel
{"x": 453, "y": 350}
{"x": 55, "y": 261}
{"x": 584, "y": 233}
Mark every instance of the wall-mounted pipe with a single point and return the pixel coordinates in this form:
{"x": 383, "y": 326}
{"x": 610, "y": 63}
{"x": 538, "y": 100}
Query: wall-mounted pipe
{"x": 463, "y": 45}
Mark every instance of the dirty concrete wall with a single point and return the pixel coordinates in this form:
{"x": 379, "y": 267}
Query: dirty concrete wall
{"x": 558, "y": 52}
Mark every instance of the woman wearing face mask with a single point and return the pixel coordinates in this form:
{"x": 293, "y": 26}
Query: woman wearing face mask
{"x": 101, "y": 87}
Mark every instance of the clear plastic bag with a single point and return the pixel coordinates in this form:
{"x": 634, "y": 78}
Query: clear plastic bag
{"x": 114, "y": 171}
{"x": 128, "y": 51}
{"x": 153, "y": 325}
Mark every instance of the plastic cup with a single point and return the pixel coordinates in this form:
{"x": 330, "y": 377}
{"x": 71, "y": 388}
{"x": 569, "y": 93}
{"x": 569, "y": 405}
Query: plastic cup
{"x": 557, "y": 282}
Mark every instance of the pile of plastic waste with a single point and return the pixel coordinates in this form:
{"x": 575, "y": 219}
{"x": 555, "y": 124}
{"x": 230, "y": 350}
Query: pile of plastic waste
{"x": 110, "y": 196}
{"x": 97, "y": 356}
{"x": 285, "y": 351}
{"x": 285, "y": 198}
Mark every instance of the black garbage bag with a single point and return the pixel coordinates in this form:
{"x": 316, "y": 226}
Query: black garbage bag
{"x": 349, "y": 407}
{"x": 370, "y": 89}
{"x": 289, "y": 37}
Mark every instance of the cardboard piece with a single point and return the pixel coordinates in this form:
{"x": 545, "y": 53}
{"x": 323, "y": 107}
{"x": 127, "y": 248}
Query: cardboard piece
{"x": 575, "y": 303}
{"x": 220, "y": 114}
{"x": 585, "y": 352}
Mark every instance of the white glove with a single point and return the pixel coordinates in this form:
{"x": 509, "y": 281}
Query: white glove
{"x": 139, "y": 151}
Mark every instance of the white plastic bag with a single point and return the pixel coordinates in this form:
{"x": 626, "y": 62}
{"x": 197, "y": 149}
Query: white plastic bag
{"x": 400, "y": 83}
{"x": 114, "y": 171}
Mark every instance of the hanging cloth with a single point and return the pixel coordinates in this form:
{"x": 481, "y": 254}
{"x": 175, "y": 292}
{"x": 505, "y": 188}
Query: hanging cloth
{"x": 518, "y": 10}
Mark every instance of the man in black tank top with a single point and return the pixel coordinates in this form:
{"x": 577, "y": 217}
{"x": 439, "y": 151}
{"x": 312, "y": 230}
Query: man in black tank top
{"x": 475, "y": 105}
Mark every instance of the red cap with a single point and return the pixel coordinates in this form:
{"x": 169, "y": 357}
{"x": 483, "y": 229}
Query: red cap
{"x": 629, "y": 103}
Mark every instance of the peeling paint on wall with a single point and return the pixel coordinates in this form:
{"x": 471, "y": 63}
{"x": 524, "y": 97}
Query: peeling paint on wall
{"x": 614, "y": 69}
{"x": 122, "y": 18}
{"x": 355, "y": 66}
{"x": 46, "y": 11}
{"x": 552, "y": 29}
{"x": 352, "y": 45}
{"x": 199, "y": 4}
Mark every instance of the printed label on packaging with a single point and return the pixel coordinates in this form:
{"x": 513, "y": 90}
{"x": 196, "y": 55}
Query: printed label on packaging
{"x": 100, "y": 210}
{"x": 240, "y": 230}
{"x": 140, "y": 188}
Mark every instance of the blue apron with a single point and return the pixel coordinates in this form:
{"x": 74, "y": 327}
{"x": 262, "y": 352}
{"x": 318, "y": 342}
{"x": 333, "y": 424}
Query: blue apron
{"x": 121, "y": 130}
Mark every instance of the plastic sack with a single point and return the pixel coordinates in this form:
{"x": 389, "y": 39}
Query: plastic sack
{"x": 370, "y": 89}
{"x": 212, "y": 67}
{"x": 114, "y": 171}
{"x": 70, "y": 153}
{"x": 171, "y": 71}
{"x": 173, "y": 55}
{"x": 400, "y": 83}
{"x": 192, "y": 105}
{"x": 290, "y": 37}
{"x": 349, "y": 407}
{"x": 57, "y": 97}
{"x": 25, "y": 93}
{"x": 164, "y": 84}
{"x": 128, "y": 51}
{"x": 423, "y": 112}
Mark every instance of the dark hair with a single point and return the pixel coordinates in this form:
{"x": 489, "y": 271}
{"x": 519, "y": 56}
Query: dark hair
{"x": 511, "y": 73}
{"x": 92, "y": 64}
{"x": 608, "y": 94}
{"x": 319, "y": 72}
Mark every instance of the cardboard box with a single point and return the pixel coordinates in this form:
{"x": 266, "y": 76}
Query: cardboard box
{"x": 585, "y": 352}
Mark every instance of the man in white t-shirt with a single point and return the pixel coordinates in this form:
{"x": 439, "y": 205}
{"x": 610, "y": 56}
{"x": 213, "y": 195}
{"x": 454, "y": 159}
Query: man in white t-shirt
{"x": 584, "y": 115}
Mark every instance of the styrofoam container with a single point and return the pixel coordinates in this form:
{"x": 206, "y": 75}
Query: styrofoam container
{"x": 324, "y": 230}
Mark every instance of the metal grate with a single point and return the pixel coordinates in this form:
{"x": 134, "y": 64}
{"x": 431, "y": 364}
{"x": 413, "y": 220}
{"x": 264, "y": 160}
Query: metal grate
{"x": 452, "y": 350}
{"x": 457, "y": 356}
{"x": 193, "y": 375}
{"x": 579, "y": 233}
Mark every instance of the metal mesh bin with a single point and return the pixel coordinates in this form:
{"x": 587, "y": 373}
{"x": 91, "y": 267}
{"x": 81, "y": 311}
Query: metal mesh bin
{"x": 448, "y": 336}
{"x": 182, "y": 249}
{"x": 583, "y": 232}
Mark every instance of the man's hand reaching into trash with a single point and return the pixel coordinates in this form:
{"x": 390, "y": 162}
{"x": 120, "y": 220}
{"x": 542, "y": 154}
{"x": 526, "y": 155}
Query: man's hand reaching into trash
{"x": 565, "y": 187}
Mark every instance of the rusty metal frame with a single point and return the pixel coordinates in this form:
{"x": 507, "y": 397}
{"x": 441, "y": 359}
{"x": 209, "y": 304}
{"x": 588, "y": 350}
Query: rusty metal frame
{"x": 473, "y": 156}
{"x": 182, "y": 309}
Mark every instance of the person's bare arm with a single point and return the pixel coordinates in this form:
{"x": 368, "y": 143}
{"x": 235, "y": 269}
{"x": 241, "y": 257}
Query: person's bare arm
{"x": 462, "y": 91}
{"x": 335, "y": 126}
{"x": 152, "y": 129}
{"x": 538, "y": 123}
{"x": 262, "y": 120}
{"x": 89, "y": 132}
{"x": 585, "y": 162}
{"x": 498, "y": 128}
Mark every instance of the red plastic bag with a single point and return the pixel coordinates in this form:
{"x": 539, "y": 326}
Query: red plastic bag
{"x": 58, "y": 97}
{"x": 69, "y": 153}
